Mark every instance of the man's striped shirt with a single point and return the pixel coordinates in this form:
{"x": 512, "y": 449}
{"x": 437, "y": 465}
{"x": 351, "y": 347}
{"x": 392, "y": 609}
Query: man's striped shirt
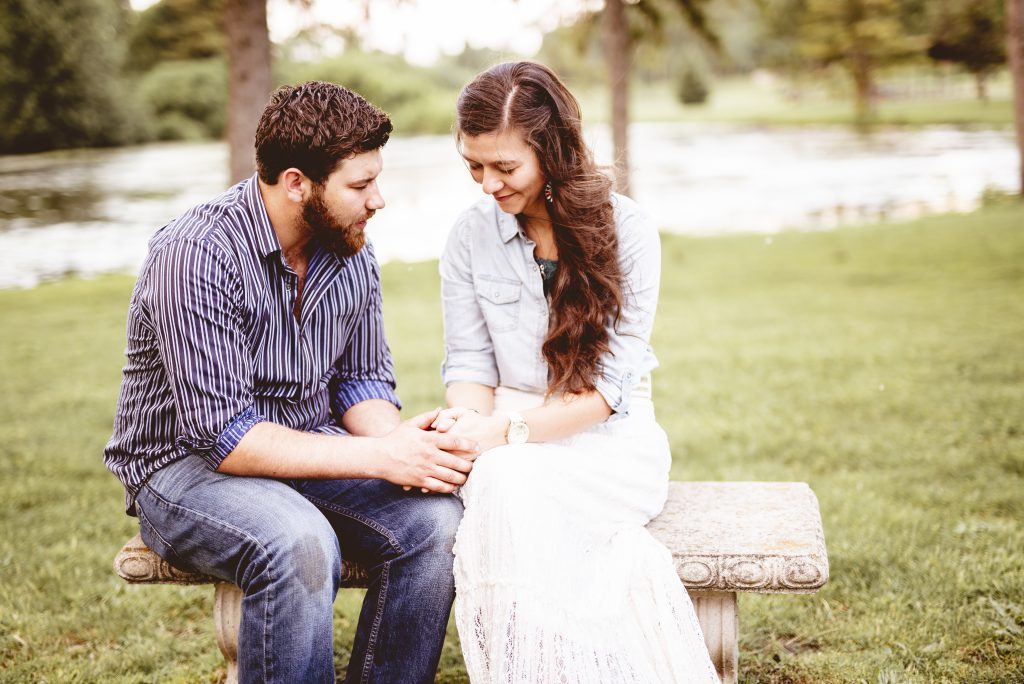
{"x": 213, "y": 347}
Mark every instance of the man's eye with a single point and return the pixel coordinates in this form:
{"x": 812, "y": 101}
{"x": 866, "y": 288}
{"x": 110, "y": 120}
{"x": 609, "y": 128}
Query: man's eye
{"x": 361, "y": 187}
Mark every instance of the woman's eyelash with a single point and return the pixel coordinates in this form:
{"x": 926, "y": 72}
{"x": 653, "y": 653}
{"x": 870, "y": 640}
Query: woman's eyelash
{"x": 478, "y": 167}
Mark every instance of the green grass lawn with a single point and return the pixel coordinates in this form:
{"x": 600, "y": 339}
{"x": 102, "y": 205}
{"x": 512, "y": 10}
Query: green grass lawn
{"x": 740, "y": 101}
{"x": 883, "y": 365}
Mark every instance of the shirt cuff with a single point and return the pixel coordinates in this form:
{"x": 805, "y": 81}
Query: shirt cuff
{"x": 617, "y": 394}
{"x": 469, "y": 368}
{"x": 230, "y": 436}
{"x": 352, "y": 392}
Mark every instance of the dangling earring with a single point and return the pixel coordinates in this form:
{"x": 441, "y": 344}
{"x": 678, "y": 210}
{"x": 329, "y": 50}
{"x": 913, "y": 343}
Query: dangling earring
{"x": 548, "y": 196}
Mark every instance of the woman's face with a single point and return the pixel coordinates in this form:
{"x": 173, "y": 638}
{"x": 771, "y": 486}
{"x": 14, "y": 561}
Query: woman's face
{"x": 508, "y": 169}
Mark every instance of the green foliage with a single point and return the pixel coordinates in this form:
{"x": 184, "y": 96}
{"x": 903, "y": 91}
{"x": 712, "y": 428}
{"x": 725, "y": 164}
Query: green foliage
{"x": 59, "y": 69}
{"x": 859, "y": 35}
{"x": 417, "y": 99}
{"x": 971, "y": 33}
{"x": 850, "y": 30}
{"x": 879, "y": 364}
{"x": 173, "y": 30}
{"x": 185, "y": 100}
{"x": 574, "y": 53}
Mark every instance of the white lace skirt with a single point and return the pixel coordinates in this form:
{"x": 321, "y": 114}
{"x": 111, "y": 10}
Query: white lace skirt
{"x": 557, "y": 580}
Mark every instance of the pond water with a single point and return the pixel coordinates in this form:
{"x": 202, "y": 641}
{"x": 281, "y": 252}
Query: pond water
{"x": 93, "y": 211}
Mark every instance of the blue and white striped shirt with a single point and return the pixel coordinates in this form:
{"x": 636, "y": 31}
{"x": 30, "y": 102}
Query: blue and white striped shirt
{"x": 213, "y": 346}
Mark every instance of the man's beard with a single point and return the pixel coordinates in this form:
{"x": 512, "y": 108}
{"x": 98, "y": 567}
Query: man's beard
{"x": 341, "y": 240}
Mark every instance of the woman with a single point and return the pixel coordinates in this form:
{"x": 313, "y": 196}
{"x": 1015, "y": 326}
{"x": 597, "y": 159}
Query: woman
{"x": 549, "y": 286}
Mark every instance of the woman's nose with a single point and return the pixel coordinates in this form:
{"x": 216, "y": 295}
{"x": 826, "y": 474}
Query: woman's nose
{"x": 491, "y": 183}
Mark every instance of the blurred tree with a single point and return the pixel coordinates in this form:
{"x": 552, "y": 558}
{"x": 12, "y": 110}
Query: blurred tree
{"x": 619, "y": 42}
{"x": 176, "y": 30}
{"x": 249, "y": 80}
{"x": 858, "y": 35}
{"x": 971, "y": 33}
{"x": 418, "y": 99}
{"x": 1015, "y": 50}
{"x": 60, "y": 63}
{"x": 575, "y": 53}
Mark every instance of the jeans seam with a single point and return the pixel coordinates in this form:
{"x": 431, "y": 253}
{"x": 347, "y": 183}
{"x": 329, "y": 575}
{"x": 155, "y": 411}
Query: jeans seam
{"x": 215, "y": 521}
{"x": 371, "y": 639}
{"x": 376, "y": 527}
{"x": 267, "y": 660}
{"x": 145, "y": 518}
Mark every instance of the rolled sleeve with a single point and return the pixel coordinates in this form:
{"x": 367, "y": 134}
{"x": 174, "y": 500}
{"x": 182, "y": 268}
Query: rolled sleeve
{"x": 469, "y": 350}
{"x": 366, "y": 368}
{"x": 630, "y": 354}
{"x": 231, "y": 435}
{"x": 351, "y": 393}
{"x": 192, "y": 291}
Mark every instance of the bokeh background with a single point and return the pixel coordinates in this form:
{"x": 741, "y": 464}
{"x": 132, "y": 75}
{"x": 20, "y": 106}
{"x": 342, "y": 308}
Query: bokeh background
{"x": 838, "y": 184}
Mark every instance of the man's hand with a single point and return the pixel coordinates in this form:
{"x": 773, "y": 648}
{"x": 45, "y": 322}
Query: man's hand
{"x": 487, "y": 431}
{"x": 433, "y": 461}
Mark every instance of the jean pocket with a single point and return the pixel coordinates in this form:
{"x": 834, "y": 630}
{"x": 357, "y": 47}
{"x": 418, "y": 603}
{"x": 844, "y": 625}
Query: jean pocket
{"x": 499, "y": 300}
{"x": 154, "y": 540}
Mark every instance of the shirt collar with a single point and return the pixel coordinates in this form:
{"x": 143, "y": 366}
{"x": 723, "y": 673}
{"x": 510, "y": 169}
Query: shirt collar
{"x": 262, "y": 230}
{"x": 508, "y": 226}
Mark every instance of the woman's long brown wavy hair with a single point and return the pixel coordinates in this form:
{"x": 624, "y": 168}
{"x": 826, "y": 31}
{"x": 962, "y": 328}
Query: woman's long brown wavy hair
{"x": 587, "y": 292}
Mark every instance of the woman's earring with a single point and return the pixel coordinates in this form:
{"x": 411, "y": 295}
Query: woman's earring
{"x": 548, "y": 196}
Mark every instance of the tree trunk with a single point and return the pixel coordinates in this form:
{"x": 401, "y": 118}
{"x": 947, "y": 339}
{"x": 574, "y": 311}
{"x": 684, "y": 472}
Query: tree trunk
{"x": 860, "y": 68}
{"x": 617, "y": 50}
{"x": 981, "y": 85}
{"x": 1015, "y": 53}
{"x": 249, "y": 82}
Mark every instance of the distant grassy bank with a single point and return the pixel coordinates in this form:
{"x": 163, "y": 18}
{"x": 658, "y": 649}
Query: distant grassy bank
{"x": 741, "y": 101}
{"x": 884, "y": 365}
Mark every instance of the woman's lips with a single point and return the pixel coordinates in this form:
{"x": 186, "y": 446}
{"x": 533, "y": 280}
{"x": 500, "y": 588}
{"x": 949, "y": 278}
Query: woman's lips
{"x": 502, "y": 198}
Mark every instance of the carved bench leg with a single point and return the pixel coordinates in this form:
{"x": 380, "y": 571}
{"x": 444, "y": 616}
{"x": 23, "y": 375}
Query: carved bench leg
{"x": 227, "y": 614}
{"x": 719, "y": 620}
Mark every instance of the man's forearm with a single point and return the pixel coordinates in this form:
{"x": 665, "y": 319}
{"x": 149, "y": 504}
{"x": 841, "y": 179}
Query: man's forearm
{"x": 271, "y": 450}
{"x": 371, "y": 418}
{"x": 410, "y": 455}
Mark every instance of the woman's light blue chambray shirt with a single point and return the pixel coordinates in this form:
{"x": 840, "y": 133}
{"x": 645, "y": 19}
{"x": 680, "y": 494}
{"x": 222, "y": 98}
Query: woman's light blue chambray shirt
{"x": 496, "y": 314}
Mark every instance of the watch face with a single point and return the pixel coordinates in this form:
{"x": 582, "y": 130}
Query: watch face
{"x": 518, "y": 433}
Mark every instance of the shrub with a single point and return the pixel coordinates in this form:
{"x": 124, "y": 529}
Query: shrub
{"x": 412, "y": 96}
{"x": 693, "y": 89}
{"x": 185, "y": 100}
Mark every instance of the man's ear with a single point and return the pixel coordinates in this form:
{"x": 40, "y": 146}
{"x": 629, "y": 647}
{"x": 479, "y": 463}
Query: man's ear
{"x": 296, "y": 184}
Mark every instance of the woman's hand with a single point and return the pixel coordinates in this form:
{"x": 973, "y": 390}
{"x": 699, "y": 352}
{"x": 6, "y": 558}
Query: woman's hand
{"x": 487, "y": 431}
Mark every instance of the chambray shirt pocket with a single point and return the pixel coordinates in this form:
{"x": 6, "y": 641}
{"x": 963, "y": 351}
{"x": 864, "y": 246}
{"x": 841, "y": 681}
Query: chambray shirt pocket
{"x": 499, "y": 301}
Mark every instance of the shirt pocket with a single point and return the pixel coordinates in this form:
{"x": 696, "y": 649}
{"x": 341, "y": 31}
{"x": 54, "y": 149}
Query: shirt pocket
{"x": 499, "y": 300}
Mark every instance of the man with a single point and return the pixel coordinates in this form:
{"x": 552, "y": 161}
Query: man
{"x": 257, "y": 432}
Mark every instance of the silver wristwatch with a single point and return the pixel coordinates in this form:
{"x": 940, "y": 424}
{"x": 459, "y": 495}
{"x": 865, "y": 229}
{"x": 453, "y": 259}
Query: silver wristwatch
{"x": 518, "y": 431}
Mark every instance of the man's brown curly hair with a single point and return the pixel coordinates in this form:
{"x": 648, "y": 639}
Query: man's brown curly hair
{"x": 314, "y": 127}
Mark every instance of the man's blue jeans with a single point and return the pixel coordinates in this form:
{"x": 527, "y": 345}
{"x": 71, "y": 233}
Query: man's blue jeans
{"x": 279, "y": 542}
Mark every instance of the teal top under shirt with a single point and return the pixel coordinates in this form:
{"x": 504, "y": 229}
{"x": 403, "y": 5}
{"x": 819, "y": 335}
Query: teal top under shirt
{"x": 496, "y": 313}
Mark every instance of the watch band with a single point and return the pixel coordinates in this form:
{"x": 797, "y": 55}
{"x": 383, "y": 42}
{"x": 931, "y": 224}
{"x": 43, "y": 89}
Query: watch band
{"x": 518, "y": 431}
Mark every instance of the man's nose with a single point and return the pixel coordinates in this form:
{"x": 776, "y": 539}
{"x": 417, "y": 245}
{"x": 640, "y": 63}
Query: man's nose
{"x": 376, "y": 200}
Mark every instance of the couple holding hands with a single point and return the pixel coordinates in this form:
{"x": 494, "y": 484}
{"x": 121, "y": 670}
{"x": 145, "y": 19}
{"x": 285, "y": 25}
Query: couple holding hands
{"x": 258, "y": 435}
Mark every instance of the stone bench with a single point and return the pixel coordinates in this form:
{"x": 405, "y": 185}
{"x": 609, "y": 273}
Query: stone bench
{"x": 725, "y": 537}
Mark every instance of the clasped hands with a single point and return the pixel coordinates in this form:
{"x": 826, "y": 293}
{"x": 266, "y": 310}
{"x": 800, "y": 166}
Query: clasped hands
{"x": 445, "y": 444}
